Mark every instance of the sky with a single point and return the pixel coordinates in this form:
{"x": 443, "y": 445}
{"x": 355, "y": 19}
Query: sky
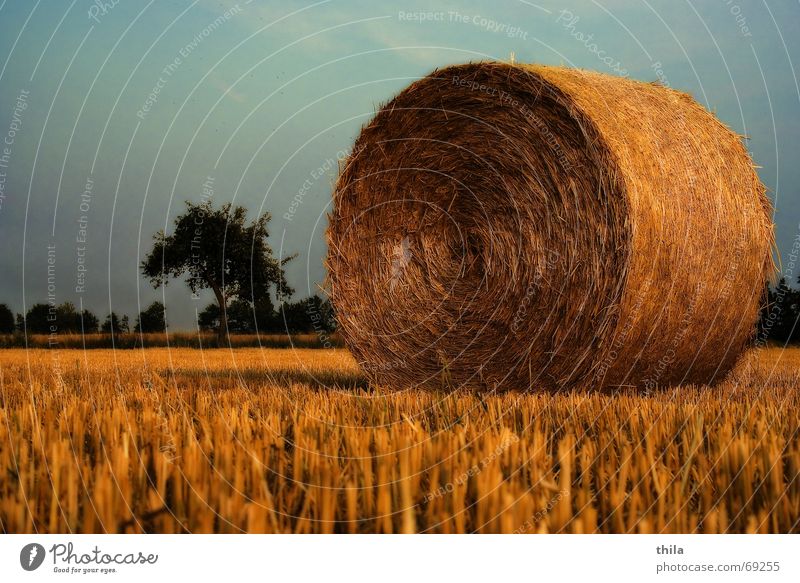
{"x": 113, "y": 113}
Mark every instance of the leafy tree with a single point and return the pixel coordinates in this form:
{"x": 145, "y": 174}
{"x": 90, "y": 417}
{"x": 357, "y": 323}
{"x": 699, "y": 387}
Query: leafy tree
{"x": 243, "y": 316}
{"x": 67, "y": 318}
{"x": 152, "y": 319}
{"x": 113, "y": 324}
{"x": 309, "y": 315}
{"x": 250, "y": 317}
{"x": 208, "y": 319}
{"x": 219, "y": 251}
{"x": 37, "y": 319}
{"x": 6, "y": 320}
{"x": 264, "y": 316}
{"x": 240, "y": 316}
{"x": 91, "y": 323}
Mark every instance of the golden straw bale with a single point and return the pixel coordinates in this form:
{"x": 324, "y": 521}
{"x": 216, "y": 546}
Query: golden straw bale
{"x": 517, "y": 226}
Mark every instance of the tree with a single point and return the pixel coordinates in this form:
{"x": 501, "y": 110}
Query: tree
{"x": 243, "y": 316}
{"x": 250, "y": 317}
{"x": 37, "y": 319}
{"x": 779, "y": 317}
{"x": 217, "y": 250}
{"x": 309, "y": 315}
{"x": 264, "y": 316}
{"x": 113, "y": 324}
{"x": 67, "y": 318}
{"x": 319, "y": 314}
{"x": 152, "y": 319}
{"x": 6, "y": 320}
{"x": 208, "y": 319}
{"x": 91, "y": 323}
{"x": 64, "y": 318}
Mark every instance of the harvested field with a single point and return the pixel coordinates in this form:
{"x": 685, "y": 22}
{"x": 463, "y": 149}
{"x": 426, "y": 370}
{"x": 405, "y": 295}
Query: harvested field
{"x": 253, "y": 440}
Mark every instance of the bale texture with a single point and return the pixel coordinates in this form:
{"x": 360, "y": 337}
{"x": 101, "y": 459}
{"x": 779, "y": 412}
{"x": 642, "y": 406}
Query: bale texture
{"x": 520, "y": 227}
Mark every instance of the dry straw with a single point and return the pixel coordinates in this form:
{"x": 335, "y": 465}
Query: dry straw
{"x": 527, "y": 227}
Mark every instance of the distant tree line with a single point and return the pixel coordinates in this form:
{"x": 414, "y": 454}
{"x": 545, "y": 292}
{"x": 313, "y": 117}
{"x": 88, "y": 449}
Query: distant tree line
{"x": 67, "y": 319}
{"x": 304, "y": 316}
{"x": 309, "y": 315}
{"x": 778, "y": 321}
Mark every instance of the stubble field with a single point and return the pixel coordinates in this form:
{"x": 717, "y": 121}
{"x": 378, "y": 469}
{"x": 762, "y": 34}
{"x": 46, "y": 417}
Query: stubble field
{"x": 267, "y": 440}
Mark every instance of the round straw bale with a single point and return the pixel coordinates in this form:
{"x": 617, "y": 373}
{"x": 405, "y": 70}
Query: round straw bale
{"x": 501, "y": 226}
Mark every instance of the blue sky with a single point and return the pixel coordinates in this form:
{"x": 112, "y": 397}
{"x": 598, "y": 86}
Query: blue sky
{"x": 145, "y": 104}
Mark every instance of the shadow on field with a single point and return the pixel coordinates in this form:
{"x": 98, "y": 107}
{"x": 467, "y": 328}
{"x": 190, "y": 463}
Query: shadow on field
{"x": 281, "y": 377}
